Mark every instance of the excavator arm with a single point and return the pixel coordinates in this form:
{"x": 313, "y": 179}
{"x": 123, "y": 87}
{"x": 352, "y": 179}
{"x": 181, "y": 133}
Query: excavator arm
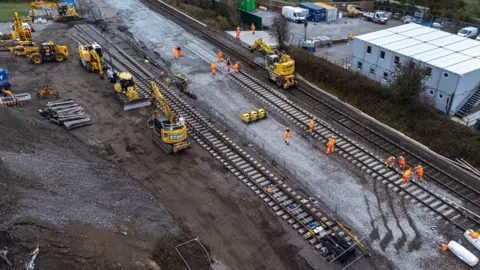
{"x": 161, "y": 100}
{"x": 260, "y": 45}
{"x": 98, "y": 60}
{"x": 19, "y": 32}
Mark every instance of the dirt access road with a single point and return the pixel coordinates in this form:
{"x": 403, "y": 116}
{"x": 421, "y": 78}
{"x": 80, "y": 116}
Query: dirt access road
{"x": 104, "y": 196}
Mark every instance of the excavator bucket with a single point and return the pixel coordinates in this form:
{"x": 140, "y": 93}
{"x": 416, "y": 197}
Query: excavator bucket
{"x": 135, "y": 104}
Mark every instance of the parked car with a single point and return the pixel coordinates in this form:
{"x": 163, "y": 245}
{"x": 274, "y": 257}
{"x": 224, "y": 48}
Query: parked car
{"x": 468, "y": 32}
{"x": 294, "y": 14}
{"x": 377, "y": 16}
{"x": 409, "y": 19}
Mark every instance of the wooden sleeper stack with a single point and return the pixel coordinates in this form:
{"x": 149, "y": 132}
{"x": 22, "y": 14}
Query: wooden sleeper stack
{"x": 66, "y": 113}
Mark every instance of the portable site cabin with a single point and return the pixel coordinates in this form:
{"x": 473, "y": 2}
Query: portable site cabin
{"x": 315, "y": 13}
{"x": 452, "y": 61}
{"x": 331, "y": 12}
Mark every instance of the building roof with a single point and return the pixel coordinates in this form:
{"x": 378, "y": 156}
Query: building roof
{"x": 431, "y": 46}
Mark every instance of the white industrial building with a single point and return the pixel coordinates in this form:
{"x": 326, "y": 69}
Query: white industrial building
{"x": 453, "y": 62}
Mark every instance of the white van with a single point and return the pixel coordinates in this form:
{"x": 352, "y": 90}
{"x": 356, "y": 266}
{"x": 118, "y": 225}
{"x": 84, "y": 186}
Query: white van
{"x": 468, "y": 32}
{"x": 294, "y": 14}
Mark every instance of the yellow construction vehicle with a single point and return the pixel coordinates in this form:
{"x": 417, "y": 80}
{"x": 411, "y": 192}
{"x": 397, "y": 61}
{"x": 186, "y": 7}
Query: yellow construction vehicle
{"x": 281, "y": 67}
{"x": 20, "y": 31}
{"x": 171, "y": 135}
{"x": 66, "y": 12}
{"x": 126, "y": 90}
{"x": 254, "y": 116}
{"x": 47, "y": 52}
{"x": 90, "y": 57}
{"x": 22, "y": 48}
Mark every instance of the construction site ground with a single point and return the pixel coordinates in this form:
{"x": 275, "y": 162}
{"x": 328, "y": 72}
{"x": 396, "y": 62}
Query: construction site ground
{"x": 105, "y": 196}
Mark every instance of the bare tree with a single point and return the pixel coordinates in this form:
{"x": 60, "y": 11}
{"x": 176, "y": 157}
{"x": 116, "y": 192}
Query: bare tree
{"x": 408, "y": 82}
{"x": 281, "y": 31}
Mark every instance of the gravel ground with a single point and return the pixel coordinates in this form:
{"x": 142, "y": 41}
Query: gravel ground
{"x": 398, "y": 230}
{"x": 69, "y": 189}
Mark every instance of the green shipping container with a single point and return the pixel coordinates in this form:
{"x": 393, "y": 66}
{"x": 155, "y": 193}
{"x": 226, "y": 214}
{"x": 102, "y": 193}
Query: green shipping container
{"x": 248, "y": 5}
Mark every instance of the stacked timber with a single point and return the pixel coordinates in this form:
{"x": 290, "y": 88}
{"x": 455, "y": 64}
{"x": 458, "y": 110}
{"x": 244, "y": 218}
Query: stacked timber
{"x": 66, "y": 113}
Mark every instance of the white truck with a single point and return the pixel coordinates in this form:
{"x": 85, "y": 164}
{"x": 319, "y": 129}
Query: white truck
{"x": 377, "y": 16}
{"x": 294, "y": 14}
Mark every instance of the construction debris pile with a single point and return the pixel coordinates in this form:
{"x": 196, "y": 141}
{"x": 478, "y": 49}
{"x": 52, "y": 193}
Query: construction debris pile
{"x": 66, "y": 113}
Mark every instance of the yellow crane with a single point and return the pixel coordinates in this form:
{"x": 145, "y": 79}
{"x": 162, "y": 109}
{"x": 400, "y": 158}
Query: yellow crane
{"x": 90, "y": 57}
{"x": 172, "y": 136}
{"x": 19, "y": 32}
{"x": 281, "y": 67}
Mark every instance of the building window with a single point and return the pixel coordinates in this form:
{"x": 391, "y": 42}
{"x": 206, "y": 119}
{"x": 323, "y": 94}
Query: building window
{"x": 397, "y": 60}
{"x": 382, "y": 54}
{"x": 369, "y": 49}
{"x": 445, "y": 75}
{"x": 372, "y": 71}
{"x": 429, "y": 71}
{"x": 440, "y": 96}
{"x": 385, "y": 76}
{"x": 359, "y": 65}
{"x": 431, "y": 92}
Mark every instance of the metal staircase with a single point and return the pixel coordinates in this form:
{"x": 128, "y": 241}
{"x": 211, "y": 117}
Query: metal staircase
{"x": 470, "y": 102}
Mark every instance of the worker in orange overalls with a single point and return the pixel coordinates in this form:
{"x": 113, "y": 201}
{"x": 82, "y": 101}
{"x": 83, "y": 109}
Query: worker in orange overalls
{"x": 236, "y": 67}
{"x": 401, "y": 163}
{"x": 238, "y": 33}
{"x": 28, "y": 33}
{"x": 310, "y": 126}
{"x": 474, "y": 235}
{"x": 175, "y": 53}
{"x": 330, "y": 145}
{"x": 444, "y": 247}
{"x": 419, "y": 171}
{"x": 389, "y": 162}
{"x": 253, "y": 28}
{"x": 219, "y": 56}
{"x": 286, "y": 135}
{"x": 406, "y": 177}
{"x": 214, "y": 68}
{"x": 179, "y": 50}
{"x": 229, "y": 65}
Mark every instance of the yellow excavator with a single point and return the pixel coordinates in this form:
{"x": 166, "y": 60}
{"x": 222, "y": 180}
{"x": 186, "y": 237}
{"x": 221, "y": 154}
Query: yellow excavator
{"x": 66, "y": 11}
{"x": 21, "y": 36}
{"x": 90, "y": 57}
{"x": 281, "y": 67}
{"x": 171, "y": 135}
{"x": 127, "y": 92}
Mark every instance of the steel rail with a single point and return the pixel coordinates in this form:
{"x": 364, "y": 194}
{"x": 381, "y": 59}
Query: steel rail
{"x": 286, "y": 203}
{"x": 445, "y": 180}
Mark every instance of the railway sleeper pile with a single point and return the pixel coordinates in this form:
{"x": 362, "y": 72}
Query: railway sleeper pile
{"x": 66, "y": 113}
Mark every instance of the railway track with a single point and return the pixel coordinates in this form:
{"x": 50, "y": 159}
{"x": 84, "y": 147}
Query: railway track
{"x": 463, "y": 217}
{"x": 314, "y": 224}
{"x": 455, "y": 186}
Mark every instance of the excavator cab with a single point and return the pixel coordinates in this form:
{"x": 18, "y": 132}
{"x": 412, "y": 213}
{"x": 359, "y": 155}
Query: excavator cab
{"x": 125, "y": 85}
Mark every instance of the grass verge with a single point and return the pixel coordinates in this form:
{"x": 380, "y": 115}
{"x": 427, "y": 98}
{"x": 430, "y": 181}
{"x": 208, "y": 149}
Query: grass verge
{"x": 7, "y": 10}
